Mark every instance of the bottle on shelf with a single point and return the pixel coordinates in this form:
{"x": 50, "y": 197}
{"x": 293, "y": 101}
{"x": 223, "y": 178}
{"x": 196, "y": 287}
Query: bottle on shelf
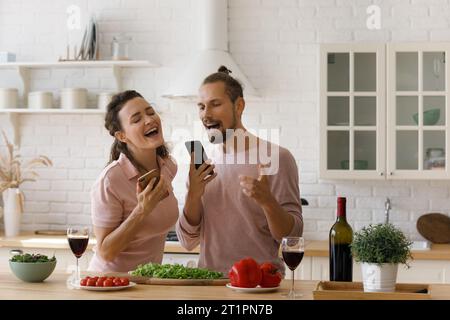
{"x": 340, "y": 239}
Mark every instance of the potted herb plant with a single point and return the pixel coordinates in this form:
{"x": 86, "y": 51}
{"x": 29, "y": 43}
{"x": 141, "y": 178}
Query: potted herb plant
{"x": 13, "y": 172}
{"x": 380, "y": 248}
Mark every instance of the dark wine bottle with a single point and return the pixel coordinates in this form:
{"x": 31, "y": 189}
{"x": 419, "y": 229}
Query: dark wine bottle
{"x": 341, "y": 236}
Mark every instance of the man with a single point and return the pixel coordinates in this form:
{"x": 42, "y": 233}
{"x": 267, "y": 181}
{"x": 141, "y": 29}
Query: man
{"x": 233, "y": 209}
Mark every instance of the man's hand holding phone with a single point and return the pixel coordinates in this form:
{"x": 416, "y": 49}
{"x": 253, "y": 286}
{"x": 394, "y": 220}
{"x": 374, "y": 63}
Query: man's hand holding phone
{"x": 151, "y": 189}
{"x": 201, "y": 170}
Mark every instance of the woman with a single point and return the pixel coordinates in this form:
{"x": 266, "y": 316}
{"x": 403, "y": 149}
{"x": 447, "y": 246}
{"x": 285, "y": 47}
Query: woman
{"x": 131, "y": 224}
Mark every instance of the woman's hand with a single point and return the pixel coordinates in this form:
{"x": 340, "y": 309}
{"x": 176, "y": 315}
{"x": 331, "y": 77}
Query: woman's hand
{"x": 149, "y": 198}
{"x": 199, "y": 178}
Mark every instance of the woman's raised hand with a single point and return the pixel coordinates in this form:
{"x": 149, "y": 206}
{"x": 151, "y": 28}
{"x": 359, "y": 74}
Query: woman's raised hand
{"x": 149, "y": 198}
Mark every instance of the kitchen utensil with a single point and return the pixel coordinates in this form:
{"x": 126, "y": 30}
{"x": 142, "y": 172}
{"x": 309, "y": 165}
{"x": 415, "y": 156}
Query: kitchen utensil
{"x": 8, "y": 98}
{"x": 434, "y": 227}
{"x": 51, "y": 232}
{"x": 40, "y": 100}
{"x": 340, "y": 290}
{"x": 91, "y": 288}
{"x": 73, "y": 98}
{"x": 257, "y": 289}
{"x": 89, "y": 43}
{"x": 171, "y": 282}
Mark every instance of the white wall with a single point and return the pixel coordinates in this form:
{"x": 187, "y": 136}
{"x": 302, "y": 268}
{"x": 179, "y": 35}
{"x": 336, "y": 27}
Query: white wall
{"x": 276, "y": 44}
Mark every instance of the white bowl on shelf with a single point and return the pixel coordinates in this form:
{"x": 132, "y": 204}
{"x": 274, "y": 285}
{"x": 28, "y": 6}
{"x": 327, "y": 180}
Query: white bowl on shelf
{"x": 73, "y": 98}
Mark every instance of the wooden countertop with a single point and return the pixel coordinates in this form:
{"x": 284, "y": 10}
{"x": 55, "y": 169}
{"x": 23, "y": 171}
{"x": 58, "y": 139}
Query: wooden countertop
{"x": 31, "y": 240}
{"x": 312, "y": 248}
{"x": 55, "y": 288}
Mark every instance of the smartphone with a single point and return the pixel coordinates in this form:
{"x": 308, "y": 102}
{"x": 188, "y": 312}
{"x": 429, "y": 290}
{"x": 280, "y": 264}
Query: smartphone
{"x": 146, "y": 178}
{"x": 199, "y": 152}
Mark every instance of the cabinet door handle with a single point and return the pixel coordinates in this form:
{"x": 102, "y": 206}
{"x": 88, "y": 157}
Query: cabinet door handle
{"x": 391, "y": 173}
{"x": 381, "y": 174}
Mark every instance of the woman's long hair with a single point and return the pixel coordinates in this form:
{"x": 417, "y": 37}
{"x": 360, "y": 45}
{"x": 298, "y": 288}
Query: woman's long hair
{"x": 112, "y": 124}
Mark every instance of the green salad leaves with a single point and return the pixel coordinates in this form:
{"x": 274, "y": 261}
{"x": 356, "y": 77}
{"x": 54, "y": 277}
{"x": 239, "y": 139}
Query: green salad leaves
{"x": 174, "y": 271}
{"x": 33, "y": 258}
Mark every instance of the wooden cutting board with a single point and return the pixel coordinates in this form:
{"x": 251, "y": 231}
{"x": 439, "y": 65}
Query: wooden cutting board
{"x": 434, "y": 227}
{"x": 171, "y": 282}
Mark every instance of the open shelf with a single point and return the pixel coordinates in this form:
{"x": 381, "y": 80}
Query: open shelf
{"x": 54, "y": 111}
{"x": 80, "y": 64}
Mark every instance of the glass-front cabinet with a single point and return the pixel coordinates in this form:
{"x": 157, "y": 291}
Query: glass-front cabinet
{"x": 384, "y": 111}
{"x": 417, "y": 117}
{"x": 352, "y": 111}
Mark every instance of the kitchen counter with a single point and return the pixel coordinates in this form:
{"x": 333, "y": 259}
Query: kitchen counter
{"x": 55, "y": 288}
{"x": 436, "y": 252}
{"x": 31, "y": 240}
{"x": 312, "y": 248}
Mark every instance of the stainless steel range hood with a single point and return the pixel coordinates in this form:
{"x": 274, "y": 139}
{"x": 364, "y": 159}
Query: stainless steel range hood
{"x": 212, "y": 54}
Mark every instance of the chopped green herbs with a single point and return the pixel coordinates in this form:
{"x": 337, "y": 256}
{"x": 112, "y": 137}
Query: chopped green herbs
{"x": 31, "y": 258}
{"x": 174, "y": 271}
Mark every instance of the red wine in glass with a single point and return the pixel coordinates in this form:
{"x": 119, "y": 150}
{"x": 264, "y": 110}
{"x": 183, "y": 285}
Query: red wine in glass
{"x": 292, "y": 250}
{"x": 78, "y": 239}
{"x": 78, "y": 245}
{"x": 292, "y": 258}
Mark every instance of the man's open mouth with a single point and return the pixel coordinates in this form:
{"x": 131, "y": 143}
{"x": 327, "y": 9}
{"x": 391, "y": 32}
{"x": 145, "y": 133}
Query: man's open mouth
{"x": 210, "y": 126}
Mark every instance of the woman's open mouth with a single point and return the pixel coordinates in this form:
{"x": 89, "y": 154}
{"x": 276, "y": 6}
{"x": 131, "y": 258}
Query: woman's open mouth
{"x": 152, "y": 132}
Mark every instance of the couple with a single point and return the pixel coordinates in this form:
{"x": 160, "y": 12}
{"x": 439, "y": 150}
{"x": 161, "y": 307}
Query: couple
{"x": 232, "y": 210}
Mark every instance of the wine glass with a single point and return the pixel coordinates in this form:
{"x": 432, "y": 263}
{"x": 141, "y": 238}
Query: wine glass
{"x": 292, "y": 249}
{"x": 78, "y": 240}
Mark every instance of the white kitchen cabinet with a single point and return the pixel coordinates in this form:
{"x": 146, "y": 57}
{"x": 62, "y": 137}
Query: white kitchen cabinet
{"x": 418, "y": 117}
{"x": 352, "y": 107}
{"x": 384, "y": 116}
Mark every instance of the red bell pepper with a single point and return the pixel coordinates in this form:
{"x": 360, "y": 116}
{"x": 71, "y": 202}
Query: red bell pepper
{"x": 271, "y": 277}
{"x": 245, "y": 273}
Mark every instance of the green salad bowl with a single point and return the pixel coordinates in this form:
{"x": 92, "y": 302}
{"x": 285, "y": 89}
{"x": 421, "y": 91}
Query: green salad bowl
{"x": 430, "y": 117}
{"x": 32, "y": 271}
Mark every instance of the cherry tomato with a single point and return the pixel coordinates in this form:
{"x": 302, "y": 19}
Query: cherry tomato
{"x": 91, "y": 282}
{"x": 125, "y": 281}
{"x": 117, "y": 282}
{"x": 108, "y": 283}
{"x": 83, "y": 282}
{"x": 102, "y": 278}
{"x": 99, "y": 282}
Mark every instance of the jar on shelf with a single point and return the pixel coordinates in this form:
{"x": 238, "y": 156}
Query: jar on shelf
{"x": 40, "y": 100}
{"x": 73, "y": 98}
{"x": 8, "y": 98}
{"x": 119, "y": 47}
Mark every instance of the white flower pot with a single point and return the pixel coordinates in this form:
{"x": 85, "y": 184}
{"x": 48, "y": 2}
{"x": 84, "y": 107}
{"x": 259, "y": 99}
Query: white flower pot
{"x": 379, "y": 278}
{"x": 12, "y": 211}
